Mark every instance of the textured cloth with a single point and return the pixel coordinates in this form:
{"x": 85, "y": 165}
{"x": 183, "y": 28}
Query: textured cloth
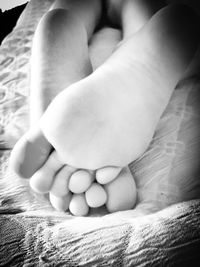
{"x": 32, "y": 234}
{"x": 169, "y": 238}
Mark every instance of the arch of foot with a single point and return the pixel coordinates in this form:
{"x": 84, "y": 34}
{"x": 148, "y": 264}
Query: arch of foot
{"x": 81, "y": 190}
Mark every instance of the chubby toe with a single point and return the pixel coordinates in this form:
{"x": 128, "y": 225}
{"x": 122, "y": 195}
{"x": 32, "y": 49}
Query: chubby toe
{"x": 107, "y": 174}
{"x": 80, "y": 181}
{"x": 78, "y": 205}
{"x": 60, "y": 203}
{"x": 61, "y": 181}
{"x": 96, "y": 196}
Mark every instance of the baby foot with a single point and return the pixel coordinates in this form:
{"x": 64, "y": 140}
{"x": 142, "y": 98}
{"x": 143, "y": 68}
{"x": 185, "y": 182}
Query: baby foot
{"x": 28, "y": 161}
{"x": 109, "y": 118}
{"x": 91, "y": 109}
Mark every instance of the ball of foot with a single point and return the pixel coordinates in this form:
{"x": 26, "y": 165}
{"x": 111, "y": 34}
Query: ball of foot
{"x": 78, "y": 205}
{"x": 121, "y": 192}
{"x": 96, "y": 196}
{"x": 60, "y": 203}
{"x": 80, "y": 181}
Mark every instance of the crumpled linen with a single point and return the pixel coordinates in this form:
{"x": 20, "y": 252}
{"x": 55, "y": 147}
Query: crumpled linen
{"x": 170, "y": 237}
{"x": 32, "y": 234}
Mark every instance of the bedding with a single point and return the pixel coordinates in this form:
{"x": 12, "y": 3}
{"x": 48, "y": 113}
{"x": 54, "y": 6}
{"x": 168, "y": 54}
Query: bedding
{"x": 163, "y": 230}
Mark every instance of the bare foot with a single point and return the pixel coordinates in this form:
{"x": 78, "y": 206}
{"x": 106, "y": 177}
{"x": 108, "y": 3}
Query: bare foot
{"x": 109, "y": 118}
{"x": 96, "y": 111}
{"x": 49, "y": 174}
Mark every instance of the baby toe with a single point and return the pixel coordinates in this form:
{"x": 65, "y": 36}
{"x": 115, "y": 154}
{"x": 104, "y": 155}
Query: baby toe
{"x": 78, "y": 205}
{"x": 60, "y": 203}
{"x": 61, "y": 181}
{"x": 107, "y": 174}
{"x": 96, "y": 196}
{"x": 80, "y": 181}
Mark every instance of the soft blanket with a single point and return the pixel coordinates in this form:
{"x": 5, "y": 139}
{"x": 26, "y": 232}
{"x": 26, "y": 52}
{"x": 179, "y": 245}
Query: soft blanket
{"x": 32, "y": 234}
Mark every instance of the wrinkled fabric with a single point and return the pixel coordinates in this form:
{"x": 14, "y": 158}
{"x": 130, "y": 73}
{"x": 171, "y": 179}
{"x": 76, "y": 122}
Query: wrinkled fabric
{"x": 33, "y": 234}
{"x": 170, "y": 237}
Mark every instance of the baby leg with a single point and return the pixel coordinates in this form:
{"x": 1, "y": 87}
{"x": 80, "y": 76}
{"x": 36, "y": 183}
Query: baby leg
{"x": 132, "y": 15}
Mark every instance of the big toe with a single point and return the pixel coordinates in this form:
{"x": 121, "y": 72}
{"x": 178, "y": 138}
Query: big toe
{"x": 29, "y": 153}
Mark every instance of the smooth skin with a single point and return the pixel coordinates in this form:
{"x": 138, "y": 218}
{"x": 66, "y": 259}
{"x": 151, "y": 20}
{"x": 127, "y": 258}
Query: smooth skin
{"x": 143, "y": 59}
